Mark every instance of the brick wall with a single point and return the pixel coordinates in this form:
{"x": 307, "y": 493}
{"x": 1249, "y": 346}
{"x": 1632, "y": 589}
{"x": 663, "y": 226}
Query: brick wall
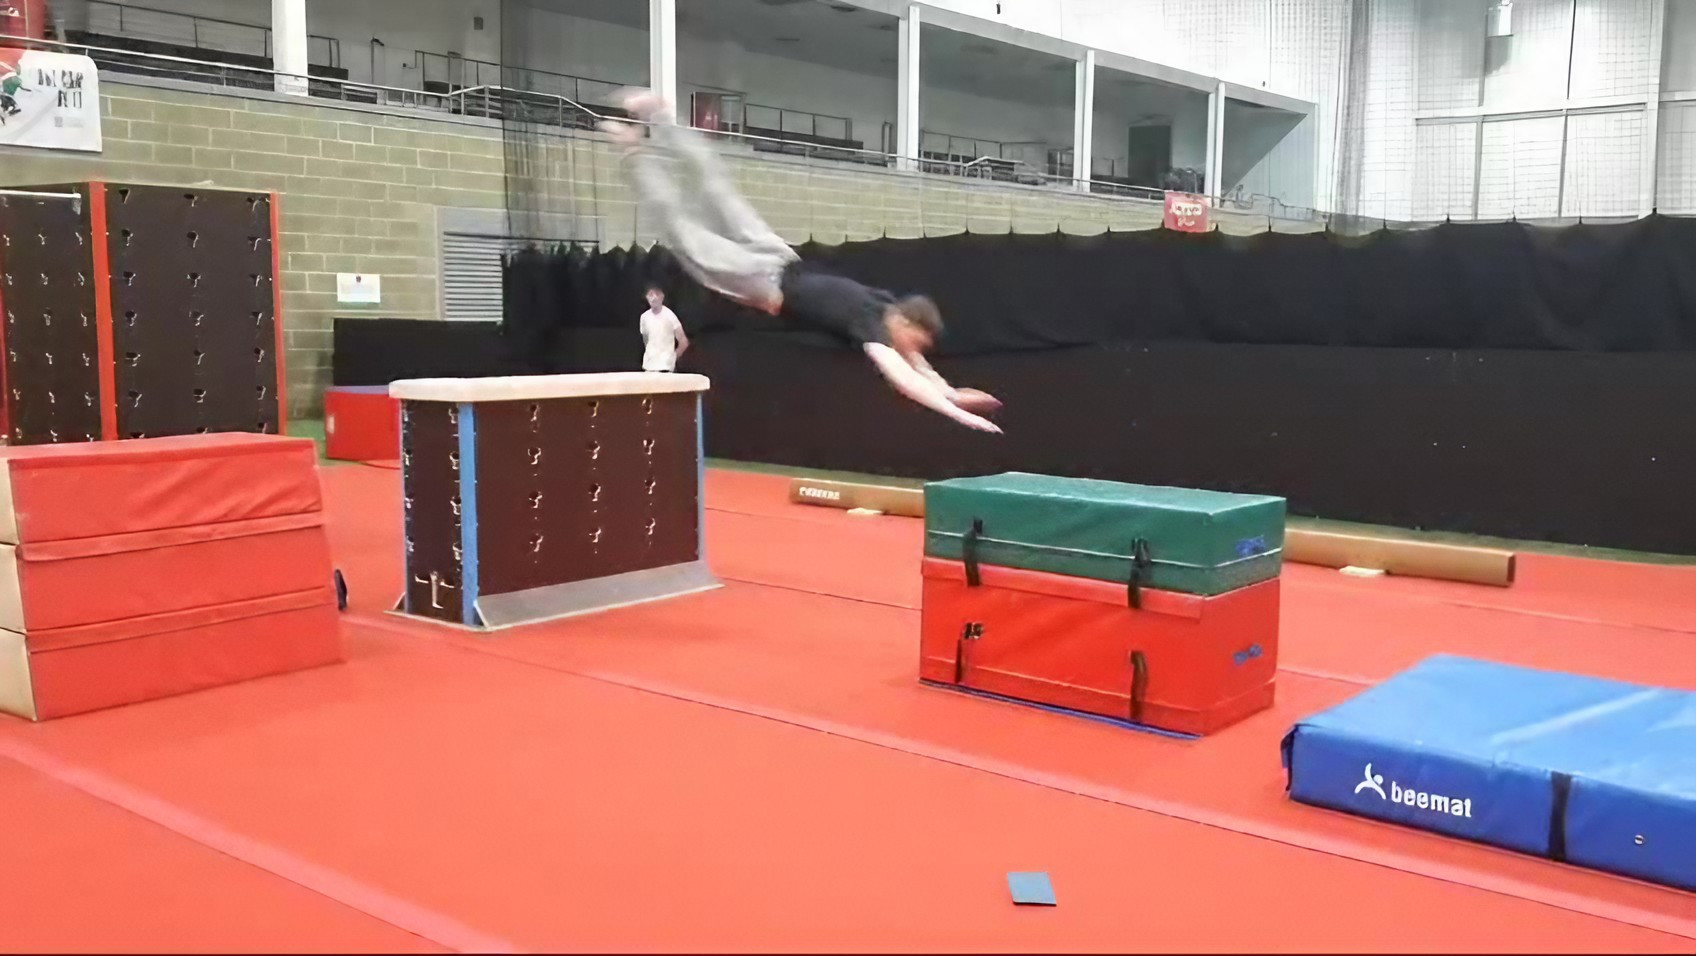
{"x": 363, "y": 190}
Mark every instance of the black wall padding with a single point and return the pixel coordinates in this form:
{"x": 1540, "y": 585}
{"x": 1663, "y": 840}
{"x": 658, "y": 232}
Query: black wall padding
{"x": 1537, "y": 445}
{"x": 373, "y": 351}
{"x": 1584, "y": 449}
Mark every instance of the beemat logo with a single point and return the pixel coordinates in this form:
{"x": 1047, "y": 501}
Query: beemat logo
{"x": 1418, "y": 799}
{"x": 824, "y": 493}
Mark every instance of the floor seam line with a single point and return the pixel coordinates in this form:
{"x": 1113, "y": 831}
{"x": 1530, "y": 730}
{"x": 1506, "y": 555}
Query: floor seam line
{"x": 438, "y": 929}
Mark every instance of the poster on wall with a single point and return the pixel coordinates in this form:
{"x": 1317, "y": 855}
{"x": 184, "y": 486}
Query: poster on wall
{"x": 49, "y": 100}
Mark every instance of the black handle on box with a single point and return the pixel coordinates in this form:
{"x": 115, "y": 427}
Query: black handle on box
{"x": 969, "y": 552}
{"x": 971, "y": 632}
{"x": 1141, "y": 561}
{"x": 1139, "y": 684}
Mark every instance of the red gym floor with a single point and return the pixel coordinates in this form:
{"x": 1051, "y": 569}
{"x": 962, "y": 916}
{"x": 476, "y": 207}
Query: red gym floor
{"x": 757, "y": 769}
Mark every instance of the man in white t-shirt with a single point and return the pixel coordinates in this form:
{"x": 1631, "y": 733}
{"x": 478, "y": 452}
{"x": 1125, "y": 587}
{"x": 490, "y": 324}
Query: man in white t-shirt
{"x": 662, "y": 335}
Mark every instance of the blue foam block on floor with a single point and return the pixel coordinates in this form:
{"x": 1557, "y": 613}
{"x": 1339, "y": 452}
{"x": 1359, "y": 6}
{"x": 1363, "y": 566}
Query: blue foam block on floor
{"x": 1595, "y": 772}
{"x": 1031, "y": 889}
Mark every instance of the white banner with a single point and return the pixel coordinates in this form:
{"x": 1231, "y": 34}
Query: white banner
{"x": 49, "y": 100}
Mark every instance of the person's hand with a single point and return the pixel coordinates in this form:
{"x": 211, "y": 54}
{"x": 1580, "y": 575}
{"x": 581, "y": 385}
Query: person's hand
{"x": 973, "y": 400}
{"x": 976, "y": 422}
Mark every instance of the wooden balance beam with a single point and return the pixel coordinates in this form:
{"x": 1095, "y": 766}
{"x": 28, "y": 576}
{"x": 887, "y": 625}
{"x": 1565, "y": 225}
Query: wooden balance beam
{"x": 905, "y": 502}
{"x": 1404, "y": 557}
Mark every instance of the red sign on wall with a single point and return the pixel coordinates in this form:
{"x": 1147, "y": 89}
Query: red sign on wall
{"x": 1186, "y": 212}
{"x": 24, "y": 18}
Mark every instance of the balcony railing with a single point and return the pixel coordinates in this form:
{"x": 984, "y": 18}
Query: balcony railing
{"x": 449, "y": 74}
{"x": 543, "y": 109}
{"x": 198, "y": 33}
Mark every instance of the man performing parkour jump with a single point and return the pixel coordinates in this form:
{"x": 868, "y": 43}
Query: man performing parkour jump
{"x": 725, "y": 245}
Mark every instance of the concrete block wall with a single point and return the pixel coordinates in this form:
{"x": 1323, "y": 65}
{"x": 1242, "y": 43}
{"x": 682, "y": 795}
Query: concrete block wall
{"x": 362, "y": 191}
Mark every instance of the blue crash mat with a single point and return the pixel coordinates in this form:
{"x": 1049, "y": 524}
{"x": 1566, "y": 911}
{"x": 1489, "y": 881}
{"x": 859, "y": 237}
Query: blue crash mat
{"x": 1593, "y": 772}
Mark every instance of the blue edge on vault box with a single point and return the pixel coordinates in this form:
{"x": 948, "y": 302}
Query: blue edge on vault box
{"x": 1031, "y": 889}
{"x": 1593, "y": 772}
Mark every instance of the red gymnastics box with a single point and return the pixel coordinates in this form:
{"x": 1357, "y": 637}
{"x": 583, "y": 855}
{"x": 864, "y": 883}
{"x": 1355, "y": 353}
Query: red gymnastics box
{"x": 1179, "y": 662}
{"x": 137, "y": 569}
{"x": 361, "y": 423}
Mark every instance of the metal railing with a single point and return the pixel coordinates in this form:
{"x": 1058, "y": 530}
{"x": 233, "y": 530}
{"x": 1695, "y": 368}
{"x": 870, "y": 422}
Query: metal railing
{"x": 534, "y": 108}
{"x": 232, "y": 75}
{"x": 198, "y": 32}
{"x": 450, "y": 73}
{"x": 783, "y": 120}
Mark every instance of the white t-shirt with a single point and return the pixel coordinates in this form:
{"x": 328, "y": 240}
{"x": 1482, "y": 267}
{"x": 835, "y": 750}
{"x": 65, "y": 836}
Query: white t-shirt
{"x": 660, "y": 331}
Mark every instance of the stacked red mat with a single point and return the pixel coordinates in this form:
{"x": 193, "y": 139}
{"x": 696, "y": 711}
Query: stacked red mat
{"x": 135, "y": 570}
{"x": 1152, "y": 606}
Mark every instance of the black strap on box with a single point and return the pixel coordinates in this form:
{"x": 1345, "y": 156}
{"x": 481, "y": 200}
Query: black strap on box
{"x": 969, "y": 552}
{"x": 1141, "y": 561}
{"x": 1139, "y": 684}
{"x": 971, "y": 632}
{"x": 1557, "y": 816}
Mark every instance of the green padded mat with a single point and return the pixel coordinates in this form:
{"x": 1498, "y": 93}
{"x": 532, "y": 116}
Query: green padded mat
{"x": 1198, "y": 542}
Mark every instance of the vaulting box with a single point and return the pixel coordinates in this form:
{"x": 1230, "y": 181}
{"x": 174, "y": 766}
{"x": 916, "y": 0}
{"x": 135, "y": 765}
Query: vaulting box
{"x": 536, "y": 497}
{"x": 1181, "y": 662}
{"x": 1174, "y": 539}
{"x": 139, "y": 569}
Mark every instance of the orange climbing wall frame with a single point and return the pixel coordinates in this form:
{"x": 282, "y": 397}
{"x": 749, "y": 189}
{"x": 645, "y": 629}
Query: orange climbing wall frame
{"x": 140, "y": 311}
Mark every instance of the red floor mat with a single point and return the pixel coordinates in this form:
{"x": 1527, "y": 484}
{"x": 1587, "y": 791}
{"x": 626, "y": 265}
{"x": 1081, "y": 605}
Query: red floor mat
{"x": 756, "y": 768}
{"x": 565, "y": 813}
{"x": 85, "y": 876}
{"x": 850, "y": 669}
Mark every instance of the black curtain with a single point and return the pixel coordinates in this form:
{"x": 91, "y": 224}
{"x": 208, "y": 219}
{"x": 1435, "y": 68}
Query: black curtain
{"x": 1586, "y": 288}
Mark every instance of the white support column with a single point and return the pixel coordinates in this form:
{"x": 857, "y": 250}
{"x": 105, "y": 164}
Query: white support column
{"x": 1652, "y": 107}
{"x": 907, "y": 89}
{"x": 1083, "y": 121}
{"x": 662, "y": 53}
{"x": 288, "y": 45}
{"x": 1216, "y": 136}
{"x": 1215, "y": 106}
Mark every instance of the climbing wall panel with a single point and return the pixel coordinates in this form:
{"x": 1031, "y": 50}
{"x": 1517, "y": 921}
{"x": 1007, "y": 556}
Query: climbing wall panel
{"x": 164, "y": 299}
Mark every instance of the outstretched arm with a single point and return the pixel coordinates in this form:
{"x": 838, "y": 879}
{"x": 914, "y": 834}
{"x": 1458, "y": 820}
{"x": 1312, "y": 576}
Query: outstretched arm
{"x": 918, "y": 387}
{"x": 970, "y": 399}
{"x": 923, "y": 368}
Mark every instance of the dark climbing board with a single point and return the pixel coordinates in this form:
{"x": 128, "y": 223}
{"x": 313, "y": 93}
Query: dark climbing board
{"x": 51, "y": 364}
{"x": 572, "y": 489}
{"x": 193, "y": 310}
{"x": 431, "y": 509}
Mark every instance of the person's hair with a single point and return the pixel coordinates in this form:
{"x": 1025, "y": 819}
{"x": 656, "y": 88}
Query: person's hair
{"x": 922, "y": 312}
{"x": 653, "y": 287}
